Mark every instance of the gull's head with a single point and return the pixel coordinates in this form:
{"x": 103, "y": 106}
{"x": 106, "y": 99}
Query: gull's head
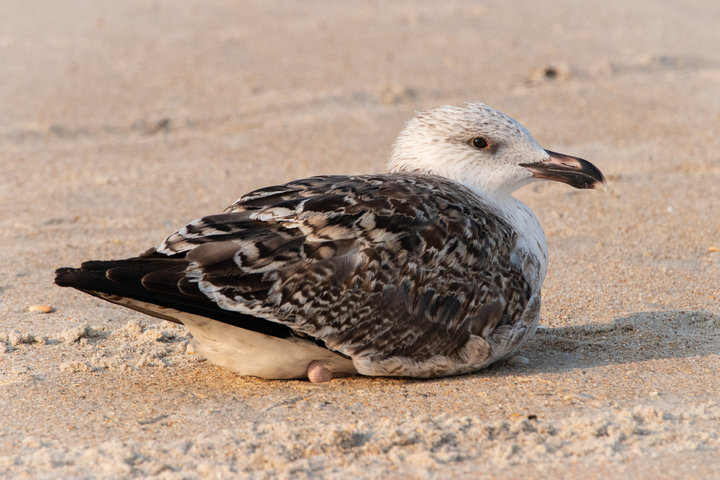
{"x": 485, "y": 150}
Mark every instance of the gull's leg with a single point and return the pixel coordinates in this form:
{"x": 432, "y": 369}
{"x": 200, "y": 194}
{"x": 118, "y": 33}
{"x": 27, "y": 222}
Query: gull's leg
{"x": 318, "y": 372}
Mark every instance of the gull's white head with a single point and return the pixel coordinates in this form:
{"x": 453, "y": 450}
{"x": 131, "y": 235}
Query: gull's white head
{"x": 485, "y": 150}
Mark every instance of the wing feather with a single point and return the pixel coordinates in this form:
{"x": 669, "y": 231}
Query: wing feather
{"x": 386, "y": 265}
{"x": 376, "y": 267}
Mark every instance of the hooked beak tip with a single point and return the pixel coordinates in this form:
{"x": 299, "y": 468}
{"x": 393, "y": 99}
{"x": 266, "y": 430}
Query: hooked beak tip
{"x": 574, "y": 171}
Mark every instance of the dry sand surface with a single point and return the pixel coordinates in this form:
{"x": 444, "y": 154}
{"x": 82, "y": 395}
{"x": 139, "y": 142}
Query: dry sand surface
{"x": 121, "y": 121}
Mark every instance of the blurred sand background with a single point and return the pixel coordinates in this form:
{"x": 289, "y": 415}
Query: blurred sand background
{"x": 121, "y": 121}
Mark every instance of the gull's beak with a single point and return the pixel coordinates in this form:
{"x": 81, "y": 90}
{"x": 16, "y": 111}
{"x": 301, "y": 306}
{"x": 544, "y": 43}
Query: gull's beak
{"x": 574, "y": 171}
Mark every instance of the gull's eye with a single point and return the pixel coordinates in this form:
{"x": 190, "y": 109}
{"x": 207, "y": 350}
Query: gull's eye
{"x": 479, "y": 143}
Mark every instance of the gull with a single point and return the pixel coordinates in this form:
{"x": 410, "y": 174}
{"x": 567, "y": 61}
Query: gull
{"x": 430, "y": 270}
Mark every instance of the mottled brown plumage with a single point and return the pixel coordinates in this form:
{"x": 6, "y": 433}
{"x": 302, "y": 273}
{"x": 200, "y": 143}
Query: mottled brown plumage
{"x": 372, "y": 248}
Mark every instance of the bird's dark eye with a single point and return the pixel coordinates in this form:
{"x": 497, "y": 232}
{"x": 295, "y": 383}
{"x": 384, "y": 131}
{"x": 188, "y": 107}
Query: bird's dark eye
{"x": 479, "y": 143}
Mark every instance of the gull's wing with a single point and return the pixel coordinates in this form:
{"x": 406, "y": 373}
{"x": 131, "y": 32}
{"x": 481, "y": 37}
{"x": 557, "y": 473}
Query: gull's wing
{"x": 378, "y": 266}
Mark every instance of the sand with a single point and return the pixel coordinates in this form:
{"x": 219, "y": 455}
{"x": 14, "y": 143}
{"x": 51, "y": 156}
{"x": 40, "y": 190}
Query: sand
{"x": 121, "y": 121}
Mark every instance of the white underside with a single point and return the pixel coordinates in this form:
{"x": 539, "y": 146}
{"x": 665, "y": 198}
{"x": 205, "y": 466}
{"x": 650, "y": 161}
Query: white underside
{"x": 247, "y": 352}
{"x": 251, "y": 353}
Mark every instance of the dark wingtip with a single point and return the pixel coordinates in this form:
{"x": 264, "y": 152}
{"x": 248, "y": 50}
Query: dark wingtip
{"x": 64, "y": 276}
{"x": 166, "y": 287}
{"x": 63, "y": 270}
{"x": 80, "y": 278}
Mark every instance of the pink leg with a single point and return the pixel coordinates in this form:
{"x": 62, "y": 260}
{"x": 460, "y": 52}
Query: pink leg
{"x": 317, "y": 372}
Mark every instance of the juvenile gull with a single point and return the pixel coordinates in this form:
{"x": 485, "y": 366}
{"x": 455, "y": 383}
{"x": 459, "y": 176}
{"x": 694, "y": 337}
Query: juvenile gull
{"x": 432, "y": 269}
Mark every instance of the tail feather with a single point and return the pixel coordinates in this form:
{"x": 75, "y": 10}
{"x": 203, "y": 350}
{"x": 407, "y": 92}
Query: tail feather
{"x": 159, "y": 280}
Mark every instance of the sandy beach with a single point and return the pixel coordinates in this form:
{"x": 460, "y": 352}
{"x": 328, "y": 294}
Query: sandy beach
{"x": 122, "y": 121}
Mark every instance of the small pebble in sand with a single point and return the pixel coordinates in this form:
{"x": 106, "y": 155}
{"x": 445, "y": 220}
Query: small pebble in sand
{"x": 517, "y": 360}
{"x": 549, "y": 73}
{"x": 40, "y": 308}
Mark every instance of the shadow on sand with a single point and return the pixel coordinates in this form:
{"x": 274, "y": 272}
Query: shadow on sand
{"x": 638, "y": 337}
